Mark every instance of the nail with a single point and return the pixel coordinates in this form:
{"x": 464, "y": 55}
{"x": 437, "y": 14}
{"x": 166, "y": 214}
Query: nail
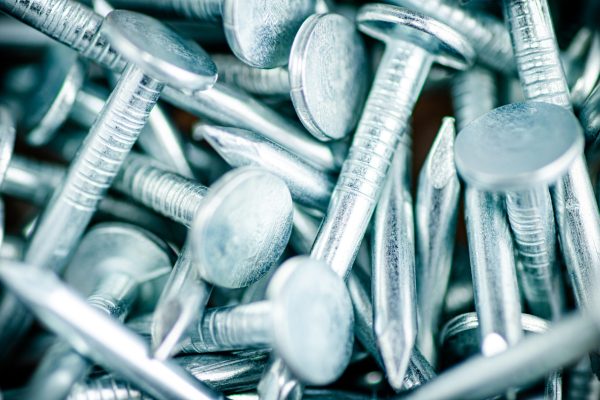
{"x": 436, "y": 210}
{"x": 254, "y": 204}
{"x": 493, "y": 269}
{"x": 224, "y": 105}
{"x": 528, "y": 361}
{"x": 237, "y": 372}
{"x": 512, "y": 162}
{"x": 116, "y": 266}
{"x": 239, "y": 147}
{"x": 383, "y": 124}
{"x": 485, "y": 33}
{"x": 542, "y": 79}
{"x": 260, "y": 34}
{"x": 98, "y": 336}
{"x": 307, "y": 318}
{"x": 393, "y": 280}
{"x": 327, "y": 48}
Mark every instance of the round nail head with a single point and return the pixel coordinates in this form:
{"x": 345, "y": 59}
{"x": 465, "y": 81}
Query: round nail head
{"x": 518, "y": 147}
{"x": 159, "y": 51}
{"x": 260, "y": 33}
{"x": 119, "y": 248}
{"x": 328, "y": 75}
{"x": 312, "y": 320}
{"x": 391, "y": 24}
{"x": 49, "y": 105}
{"x": 242, "y": 227}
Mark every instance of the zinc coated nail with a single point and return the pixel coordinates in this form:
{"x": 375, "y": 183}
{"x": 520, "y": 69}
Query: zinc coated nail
{"x": 259, "y": 33}
{"x": 528, "y": 361}
{"x": 251, "y": 202}
{"x": 485, "y": 33}
{"x": 588, "y": 77}
{"x": 520, "y": 149}
{"x": 118, "y": 267}
{"x": 393, "y": 276}
{"x": 98, "y": 336}
{"x": 493, "y": 269}
{"x": 307, "y": 318}
{"x": 590, "y": 119}
{"x": 473, "y": 94}
{"x": 168, "y": 58}
{"x": 384, "y": 121}
{"x": 436, "y": 211}
{"x": 327, "y": 75}
{"x": 240, "y": 147}
{"x": 224, "y": 105}
{"x": 239, "y": 371}
{"x": 542, "y": 79}
{"x": 278, "y": 382}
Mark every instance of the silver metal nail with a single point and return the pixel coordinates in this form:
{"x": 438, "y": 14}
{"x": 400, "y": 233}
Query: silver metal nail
{"x": 239, "y": 147}
{"x": 250, "y": 202}
{"x": 436, "y": 211}
{"x": 96, "y": 335}
{"x": 383, "y": 124}
{"x": 307, "y": 318}
{"x": 473, "y": 94}
{"x": 394, "y": 292}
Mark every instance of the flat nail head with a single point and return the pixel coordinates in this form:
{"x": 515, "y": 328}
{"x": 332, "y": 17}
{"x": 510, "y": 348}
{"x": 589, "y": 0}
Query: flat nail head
{"x": 242, "y": 227}
{"x": 112, "y": 248}
{"x": 159, "y": 51}
{"x": 261, "y": 33}
{"x": 328, "y": 75}
{"x": 312, "y": 319}
{"x": 517, "y": 146}
{"x": 390, "y": 23}
{"x": 49, "y": 105}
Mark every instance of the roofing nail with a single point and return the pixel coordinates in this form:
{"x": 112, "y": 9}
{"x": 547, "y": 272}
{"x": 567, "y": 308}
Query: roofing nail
{"x": 384, "y": 121}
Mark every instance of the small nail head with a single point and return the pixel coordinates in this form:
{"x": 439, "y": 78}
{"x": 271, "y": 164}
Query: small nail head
{"x": 159, "y": 51}
{"x": 242, "y": 227}
{"x": 312, "y": 319}
{"x": 328, "y": 75}
{"x": 518, "y": 147}
{"x": 391, "y": 24}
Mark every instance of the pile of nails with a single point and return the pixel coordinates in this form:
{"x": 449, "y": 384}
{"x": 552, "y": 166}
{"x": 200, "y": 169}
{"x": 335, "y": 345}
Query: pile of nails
{"x": 205, "y": 199}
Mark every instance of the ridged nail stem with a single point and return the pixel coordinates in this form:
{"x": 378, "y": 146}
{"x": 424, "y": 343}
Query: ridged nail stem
{"x": 258, "y": 81}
